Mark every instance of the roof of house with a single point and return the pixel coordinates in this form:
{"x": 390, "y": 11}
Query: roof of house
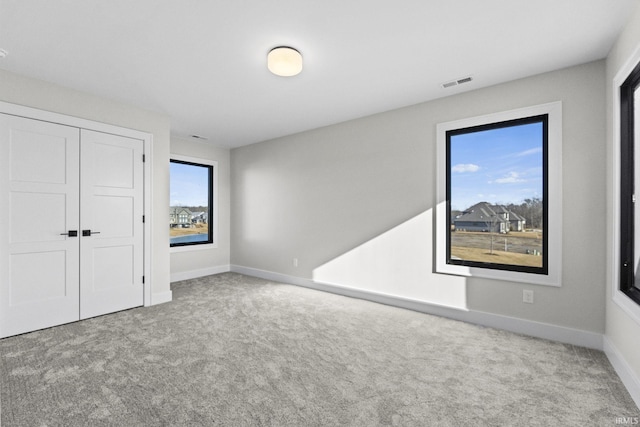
{"x": 515, "y": 217}
{"x": 482, "y": 211}
{"x": 175, "y": 210}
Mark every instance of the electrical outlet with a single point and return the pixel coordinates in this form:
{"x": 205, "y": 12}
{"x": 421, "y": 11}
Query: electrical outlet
{"x": 295, "y": 262}
{"x": 527, "y": 296}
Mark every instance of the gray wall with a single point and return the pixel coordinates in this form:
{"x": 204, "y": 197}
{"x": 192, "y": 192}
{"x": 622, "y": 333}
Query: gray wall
{"x": 333, "y": 193}
{"x": 49, "y": 97}
{"x": 206, "y": 261}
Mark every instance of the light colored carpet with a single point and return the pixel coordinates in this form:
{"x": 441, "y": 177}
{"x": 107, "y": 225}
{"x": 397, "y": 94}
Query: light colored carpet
{"x": 232, "y": 350}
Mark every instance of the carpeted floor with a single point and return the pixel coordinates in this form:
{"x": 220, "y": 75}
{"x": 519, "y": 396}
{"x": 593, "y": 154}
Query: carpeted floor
{"x": 232, "y": 350}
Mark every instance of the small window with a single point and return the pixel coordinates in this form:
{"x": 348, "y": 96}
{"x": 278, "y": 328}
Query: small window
{"x": 629, "y": 182}
{"x": 191, "y": 210}
{"x": 498, "y": 189}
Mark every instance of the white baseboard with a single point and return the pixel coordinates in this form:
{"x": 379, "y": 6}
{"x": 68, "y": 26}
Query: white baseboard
{"x": 193, "y": 274}
{"x": 161, "y": 297}
{"x": 270, "y": 275}
{"x": 624, "y": 371}
{"x": 536, "y": 329}
{"x": 512, "y": 324}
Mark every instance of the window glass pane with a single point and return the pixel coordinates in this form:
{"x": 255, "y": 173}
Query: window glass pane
{"x": 190, "y": 203}
{"x": 496, "y": 195}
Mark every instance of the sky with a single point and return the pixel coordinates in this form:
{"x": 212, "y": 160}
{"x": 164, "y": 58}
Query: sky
{"x": 499, "y": 166}
{"x": 188, "y": 185}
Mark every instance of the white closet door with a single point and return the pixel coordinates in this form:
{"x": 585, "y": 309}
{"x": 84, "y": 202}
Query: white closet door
{"x": 39, "y": 204}
{"x": 112, "y": 242}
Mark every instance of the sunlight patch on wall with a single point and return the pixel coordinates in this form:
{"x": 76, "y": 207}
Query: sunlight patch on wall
{"x": 397, "y": 263}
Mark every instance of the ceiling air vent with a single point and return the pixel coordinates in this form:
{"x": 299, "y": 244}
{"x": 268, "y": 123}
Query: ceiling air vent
{"x": 457, "y": 82}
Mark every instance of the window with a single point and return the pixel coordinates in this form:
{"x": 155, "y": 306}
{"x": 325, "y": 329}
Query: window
{"x": 192, "y": 209}
{"x": 629, "y": 181}
{"x": 496, "y": 176}
{"x": 499, "y": 205}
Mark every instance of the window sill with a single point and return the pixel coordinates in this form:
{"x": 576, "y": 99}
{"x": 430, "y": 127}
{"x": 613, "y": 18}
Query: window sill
{"x": 191, "y": 248}
{"x": 552, "y": 279}
{"x": 627, "y": 304}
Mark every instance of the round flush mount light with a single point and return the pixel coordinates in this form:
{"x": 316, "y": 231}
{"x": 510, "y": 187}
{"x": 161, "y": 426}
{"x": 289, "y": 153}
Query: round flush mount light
{"x": 284, "y": 61}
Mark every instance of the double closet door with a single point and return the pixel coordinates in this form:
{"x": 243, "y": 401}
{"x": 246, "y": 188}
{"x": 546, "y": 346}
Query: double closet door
{"x": 71, "y": 224}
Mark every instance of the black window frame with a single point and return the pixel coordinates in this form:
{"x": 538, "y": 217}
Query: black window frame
{"x": 627, "y": 283}
{"x": 210, "y": 213}
{"x": 540, "y": 118}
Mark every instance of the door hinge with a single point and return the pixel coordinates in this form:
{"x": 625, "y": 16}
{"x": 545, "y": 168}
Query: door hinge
{"x": 143, "y": 280}
{"x": 144, "y": 158}
{"x": 142, "y": 218}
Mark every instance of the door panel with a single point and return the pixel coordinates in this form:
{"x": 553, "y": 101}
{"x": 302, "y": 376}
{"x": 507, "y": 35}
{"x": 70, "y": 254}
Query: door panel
{"x": 116, "y": 215}
{"x": 27, "y": 210}
{"x": 114, "y": 164}
{"x": 112, "y": 205}
{"x": 39, "y": 196}
{"x": 112, "y": 267}
{"x": 29, "y": 284}
{"x": 38, "y": 156}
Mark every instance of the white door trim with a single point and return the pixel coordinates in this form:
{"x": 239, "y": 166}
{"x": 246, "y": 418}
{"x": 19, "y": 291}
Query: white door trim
{"x": 147, "y": 138}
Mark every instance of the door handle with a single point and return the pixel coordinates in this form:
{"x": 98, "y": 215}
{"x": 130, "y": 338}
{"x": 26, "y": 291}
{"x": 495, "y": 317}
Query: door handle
{"x": 86, "y": 233}
{"x": 70, "y": 233}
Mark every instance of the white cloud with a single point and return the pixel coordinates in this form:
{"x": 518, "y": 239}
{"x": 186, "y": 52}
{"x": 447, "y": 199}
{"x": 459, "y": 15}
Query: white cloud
{"x": 465, "y": 167}
{"x": 510, "y": 178}
{"x": 529, "y": 152}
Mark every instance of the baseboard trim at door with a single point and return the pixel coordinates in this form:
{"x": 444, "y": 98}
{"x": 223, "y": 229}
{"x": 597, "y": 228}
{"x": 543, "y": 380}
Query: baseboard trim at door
{"x": 624, "y": 371}
{"x": 194, "y": 274}
{"x": 161, "y": 297}
{"x": 521, "y": 326}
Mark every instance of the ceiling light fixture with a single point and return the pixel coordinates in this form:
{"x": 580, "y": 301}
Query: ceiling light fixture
{"x": 284, "y": 61}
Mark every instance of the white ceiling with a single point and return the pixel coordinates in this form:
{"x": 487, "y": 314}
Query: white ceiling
{"x": 203, "y": 62}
